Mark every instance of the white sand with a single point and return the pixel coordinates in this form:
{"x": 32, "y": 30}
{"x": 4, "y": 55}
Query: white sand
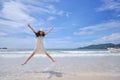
{"x": 80, "y": 68}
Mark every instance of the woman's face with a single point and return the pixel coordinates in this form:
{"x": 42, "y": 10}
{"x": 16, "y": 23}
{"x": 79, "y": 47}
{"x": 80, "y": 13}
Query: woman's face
{"x": 41, "y": 32}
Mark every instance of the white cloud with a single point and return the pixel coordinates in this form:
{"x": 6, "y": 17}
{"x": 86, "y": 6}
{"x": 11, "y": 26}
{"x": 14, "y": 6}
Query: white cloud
{"x": 83, "y": 33}
{"x": 51, "y": 18}
{"x": 10, "y": 23}
{"x": 12, "y": 42}
{"x": 64, "y": 42}
{"x": 30, "y": 42}
{"x": 99, "y": 27}
{"x": 53, "y": 0}
{"x": 13, "y": 14}
{"x": 21, "y": 12}
{"x": 113, "y": 38}
{"x": 44, "y": 7}
{"x": 110, "y": 5}
{"x": 50, "y": 0}
{"x": 2, "y": 34}
{"x": 49, "y": 10}
{"x": 15, "y": 11}
{"x": 68, "y": 14}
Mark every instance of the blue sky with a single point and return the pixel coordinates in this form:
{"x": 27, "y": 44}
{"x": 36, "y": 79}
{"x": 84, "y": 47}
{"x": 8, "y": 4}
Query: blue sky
{"x": 76, "y": 22}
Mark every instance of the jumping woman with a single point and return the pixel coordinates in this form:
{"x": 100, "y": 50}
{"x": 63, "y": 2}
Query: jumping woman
{"x": 39, "y": 45}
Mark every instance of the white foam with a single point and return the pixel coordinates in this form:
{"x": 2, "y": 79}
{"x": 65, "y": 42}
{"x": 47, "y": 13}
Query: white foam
{"x": 85, "y": 51}
{"x": 9, "y": 52}
{"x": 53, "y": 55}
{"x": 70, "y": 53}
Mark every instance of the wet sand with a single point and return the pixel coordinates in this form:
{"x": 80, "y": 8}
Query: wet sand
{"x": 70, "y": 68}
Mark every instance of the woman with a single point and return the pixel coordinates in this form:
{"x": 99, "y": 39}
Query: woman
{"x": 39, "y": 45}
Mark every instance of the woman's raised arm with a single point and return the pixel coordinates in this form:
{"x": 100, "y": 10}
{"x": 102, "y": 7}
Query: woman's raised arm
{"x": 31, "y": 28}
{"x": 49, "y": 30}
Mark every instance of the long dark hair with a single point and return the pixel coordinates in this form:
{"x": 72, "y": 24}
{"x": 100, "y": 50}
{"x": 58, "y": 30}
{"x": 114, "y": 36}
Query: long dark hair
{"x": 38, "y": 34}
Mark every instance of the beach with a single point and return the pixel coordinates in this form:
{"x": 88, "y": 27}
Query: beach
{"x": 69, "y": 65}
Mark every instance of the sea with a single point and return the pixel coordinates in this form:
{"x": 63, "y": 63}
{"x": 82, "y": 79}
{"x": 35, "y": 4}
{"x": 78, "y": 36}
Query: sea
{"x": 17, "y": 53}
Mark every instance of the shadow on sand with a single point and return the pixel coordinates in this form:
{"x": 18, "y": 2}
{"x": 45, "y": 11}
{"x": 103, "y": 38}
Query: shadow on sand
{"x": 53, "y": 73}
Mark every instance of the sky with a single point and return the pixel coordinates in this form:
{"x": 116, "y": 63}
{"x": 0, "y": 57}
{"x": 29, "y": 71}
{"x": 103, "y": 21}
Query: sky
{"x": 76, "y": 23}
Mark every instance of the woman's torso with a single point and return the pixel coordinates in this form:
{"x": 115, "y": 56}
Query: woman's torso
{"x": 40, "y": 45}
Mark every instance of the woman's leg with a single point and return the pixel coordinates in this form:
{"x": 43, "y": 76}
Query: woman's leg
{"x": 29, "y": 58}
{"x": 50, "y": 57}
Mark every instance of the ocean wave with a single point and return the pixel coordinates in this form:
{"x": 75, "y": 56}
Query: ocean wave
{"x": 85, "y": 51}
{"x": 15, "y": 52}
{"x": 54, "y": 55}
